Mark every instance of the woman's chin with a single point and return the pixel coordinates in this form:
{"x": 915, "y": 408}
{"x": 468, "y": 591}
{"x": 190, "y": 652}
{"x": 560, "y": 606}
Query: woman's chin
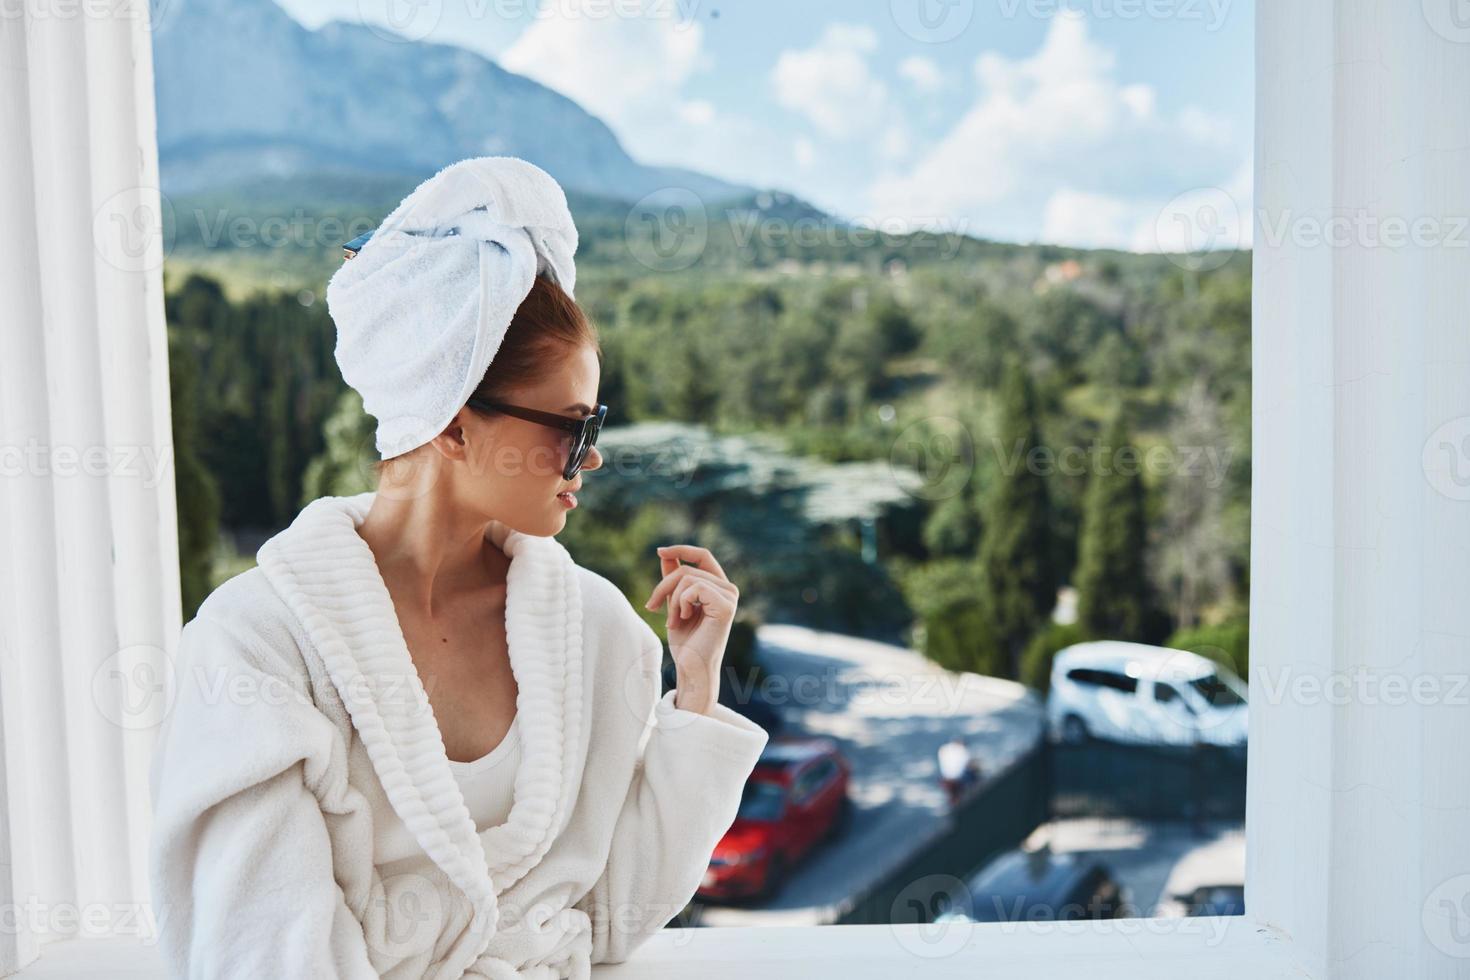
{"x": 556, "y": 521}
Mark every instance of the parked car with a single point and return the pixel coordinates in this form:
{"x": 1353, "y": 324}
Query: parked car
{"x": 1132, "y": 692}
{"x": 1209, "y": 880}
{"x": 1038, "y": 885}
{"x": 796, "y": 797}
{"x": 1215, "y": 900}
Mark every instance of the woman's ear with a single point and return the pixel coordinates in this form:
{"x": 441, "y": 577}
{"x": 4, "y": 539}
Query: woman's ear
{"x": 453, "y": 441}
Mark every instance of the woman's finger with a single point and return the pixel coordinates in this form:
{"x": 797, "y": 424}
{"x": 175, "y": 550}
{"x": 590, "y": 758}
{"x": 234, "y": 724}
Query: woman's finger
{"x": 700, "y": 557}
{"x": 679, "y": 608}
{"x": 706, "y": 593}
{"x": 683, "y": 572}
{"x": 722, "y": 584}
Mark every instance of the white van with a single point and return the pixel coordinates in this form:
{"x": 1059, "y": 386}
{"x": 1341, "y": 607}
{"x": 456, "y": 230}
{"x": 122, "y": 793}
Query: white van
{"x": 1132, "y": 692}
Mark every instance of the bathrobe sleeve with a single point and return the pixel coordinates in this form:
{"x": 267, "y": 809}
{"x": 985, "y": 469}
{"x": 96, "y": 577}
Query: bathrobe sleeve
{"x": 240, "y": 861}
{"x": 685, "y": 791}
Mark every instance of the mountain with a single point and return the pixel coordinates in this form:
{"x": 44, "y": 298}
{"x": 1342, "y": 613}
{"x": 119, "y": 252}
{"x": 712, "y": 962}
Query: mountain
{"x": 245, "y": 92}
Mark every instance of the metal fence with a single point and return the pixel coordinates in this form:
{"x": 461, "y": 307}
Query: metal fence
{"x": 1147, "y": 782}
{"x": 1094, "y": 779}
{"x": 998, "y": 816}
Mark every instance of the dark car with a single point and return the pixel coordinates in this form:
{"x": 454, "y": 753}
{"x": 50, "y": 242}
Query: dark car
{"x": 1214, "y": 900}
{"x": 796, "y": 797}
{"x": 1039, "y": 885}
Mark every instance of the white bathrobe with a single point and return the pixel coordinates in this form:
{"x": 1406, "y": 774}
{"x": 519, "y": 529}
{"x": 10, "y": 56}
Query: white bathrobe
{"x": 296, "y": 701}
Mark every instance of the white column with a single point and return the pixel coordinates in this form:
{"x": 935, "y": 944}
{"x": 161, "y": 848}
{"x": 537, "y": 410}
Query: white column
{"x": 88, "y": 562}
{"x": 1360, "y": 591}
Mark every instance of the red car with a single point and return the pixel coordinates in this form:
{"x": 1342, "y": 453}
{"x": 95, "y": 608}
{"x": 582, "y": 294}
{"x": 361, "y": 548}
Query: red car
{"x": 795, "y": 798}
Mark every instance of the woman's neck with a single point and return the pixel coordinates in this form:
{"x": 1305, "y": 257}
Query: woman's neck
{"x": 429, "y": 551}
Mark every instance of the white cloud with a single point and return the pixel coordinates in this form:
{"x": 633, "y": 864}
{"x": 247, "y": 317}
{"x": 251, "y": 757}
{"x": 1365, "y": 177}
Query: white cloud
{"x": 1202, "y": 218}
{"x": 894, "y": 143}
{"x": 1086, "y": 220}
{"x": 1139, "y": 99}
{"x": 831, "y": 83}
{"x": 1060, "y": 98}
{"x": 921, "y": 72}
{"x": 1242, "y": 189}
{"x": 617, "y": 67}
{"x": 696, "y": 112}
{"x": 1056, "y": 143}
{"x": 804, "y": 152}
{"x": 633, "y": 72}
{"x": 1203, "y": 127}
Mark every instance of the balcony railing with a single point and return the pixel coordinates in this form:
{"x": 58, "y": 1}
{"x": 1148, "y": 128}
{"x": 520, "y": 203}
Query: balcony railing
{"x": 1157, "y": 949}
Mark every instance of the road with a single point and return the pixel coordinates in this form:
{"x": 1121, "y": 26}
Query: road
{"x": 890, "y": 709}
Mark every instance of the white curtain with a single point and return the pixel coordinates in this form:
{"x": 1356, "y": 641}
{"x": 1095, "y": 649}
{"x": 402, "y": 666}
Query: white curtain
{"x": 88, "y": 552}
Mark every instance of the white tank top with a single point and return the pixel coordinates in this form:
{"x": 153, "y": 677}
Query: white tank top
{"x": 488, "y": 787}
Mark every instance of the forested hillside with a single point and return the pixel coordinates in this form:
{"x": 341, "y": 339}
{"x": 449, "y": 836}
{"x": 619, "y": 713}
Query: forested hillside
{"x": 917, "y": 437}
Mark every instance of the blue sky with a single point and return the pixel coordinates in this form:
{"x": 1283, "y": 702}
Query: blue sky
{"x": 1090, "y": 122}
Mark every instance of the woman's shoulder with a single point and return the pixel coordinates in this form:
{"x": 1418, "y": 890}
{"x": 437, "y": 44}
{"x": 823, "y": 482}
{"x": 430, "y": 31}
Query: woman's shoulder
{"x": 606, "y": 610}
{"x": 626, "y": 655}
{"x": 246, "y": 618}
{"x": 602, "y": 599}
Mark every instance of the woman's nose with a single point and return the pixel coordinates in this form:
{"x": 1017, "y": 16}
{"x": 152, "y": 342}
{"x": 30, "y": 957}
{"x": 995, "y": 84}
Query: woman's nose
{"x": 593, "y": 460}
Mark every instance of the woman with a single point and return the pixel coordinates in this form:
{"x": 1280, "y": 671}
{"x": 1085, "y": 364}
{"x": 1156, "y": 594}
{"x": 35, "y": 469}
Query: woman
{"x": 418, "y": 740}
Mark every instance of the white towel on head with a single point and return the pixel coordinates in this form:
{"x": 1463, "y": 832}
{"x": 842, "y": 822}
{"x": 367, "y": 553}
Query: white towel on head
{"x": 422, "y": 308}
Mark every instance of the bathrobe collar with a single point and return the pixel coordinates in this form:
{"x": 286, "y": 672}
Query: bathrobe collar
{"x": 329, "y": 577}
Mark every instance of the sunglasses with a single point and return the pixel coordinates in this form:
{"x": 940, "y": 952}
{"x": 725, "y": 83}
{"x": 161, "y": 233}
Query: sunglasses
{"x": 584, "y": 430}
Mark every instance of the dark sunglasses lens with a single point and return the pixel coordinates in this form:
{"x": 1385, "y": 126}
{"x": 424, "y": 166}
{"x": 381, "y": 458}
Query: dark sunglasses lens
{"x": 580, "y": 443}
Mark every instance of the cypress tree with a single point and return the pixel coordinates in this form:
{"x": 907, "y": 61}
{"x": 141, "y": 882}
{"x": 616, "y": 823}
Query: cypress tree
{"x": 1114, "y": 591}
{"x": 1017, "y": 573}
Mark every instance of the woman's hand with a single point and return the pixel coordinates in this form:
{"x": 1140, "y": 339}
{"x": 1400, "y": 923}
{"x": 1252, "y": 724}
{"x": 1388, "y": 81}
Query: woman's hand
{"x": 702, "y": 604}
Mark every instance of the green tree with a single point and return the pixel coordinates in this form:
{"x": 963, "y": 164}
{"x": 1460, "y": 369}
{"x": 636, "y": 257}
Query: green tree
{"x": 345, "y": 464}
{"x": 1192, "y": 559}
{"x": 1018, "y": 577}
{"x": 194, "y": 487}
{"x": 895, "y": 327}
{"x": 1227, "y": 643}
{"x": 1036, "y": 661}
{"x": 952, "y": 527}
{"x": 973, "y": 341}
{"x": 952, "y": 628}
{"x": 1115, "y": 597}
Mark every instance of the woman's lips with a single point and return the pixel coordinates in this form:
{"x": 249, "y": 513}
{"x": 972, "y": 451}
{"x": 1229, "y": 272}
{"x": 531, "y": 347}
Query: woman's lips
{"x": 568, "y": 498}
